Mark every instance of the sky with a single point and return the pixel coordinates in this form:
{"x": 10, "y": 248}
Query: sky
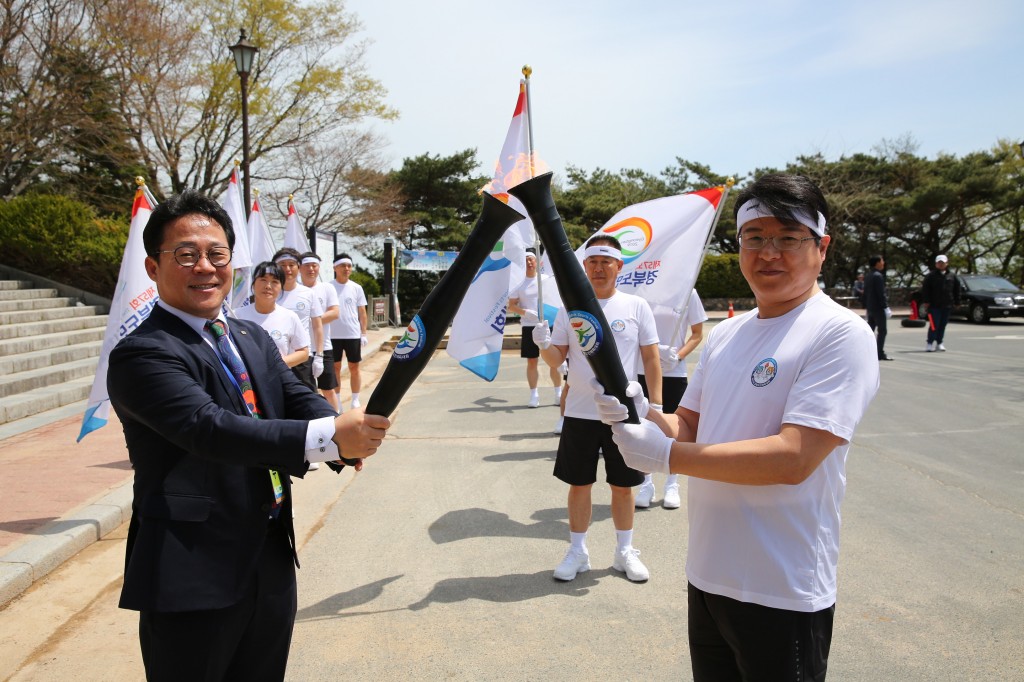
{"x": 734, "y": 85}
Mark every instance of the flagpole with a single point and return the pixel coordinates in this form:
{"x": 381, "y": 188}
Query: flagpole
{"x": 729, "y": 182}
{"x": 527, "y": 72}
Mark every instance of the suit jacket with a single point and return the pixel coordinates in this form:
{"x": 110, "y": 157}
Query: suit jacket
{"x": 875, "y": 298}
{"x": 202, "y": 487}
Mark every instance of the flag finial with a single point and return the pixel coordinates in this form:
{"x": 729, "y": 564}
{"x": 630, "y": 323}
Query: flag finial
{"x": 256, "y": 192}
{"x": 237, "y": 163}
{"x": 730, "y": 181}
{"x": 527, "y": 70}
{"x": 140, "y": 181}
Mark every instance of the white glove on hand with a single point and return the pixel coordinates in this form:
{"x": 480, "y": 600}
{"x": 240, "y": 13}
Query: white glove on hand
{"x": 542, "y": 335}
{"x": 530, "y": 313}
{"x": 643, "y": 446}
{"x": 610, "y": 410}
{"x": 318, "y": 366}
{"x": 888, "y": 313}
{"x": 669, "y": 356}
{"x": 363, "y": 340}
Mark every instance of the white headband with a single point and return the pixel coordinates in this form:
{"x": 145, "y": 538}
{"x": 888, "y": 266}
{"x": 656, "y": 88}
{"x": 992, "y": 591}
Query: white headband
{"x": 310, "y": 259}
{"x": 602, "y": 250}
{"x": 281, "y": 259}
{"x": 343, "y": 261}
{"x": 751, "y": 210}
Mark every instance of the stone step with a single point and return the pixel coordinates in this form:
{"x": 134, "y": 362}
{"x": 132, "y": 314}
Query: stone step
{"x": 28, "y": 344}
{"x": 29, "y": 380}
{"x": 24, "y": 405}
{"x": 49, "y": 357}
{"x": 22, "y": 294}
{"x": 12, "y": 331}
{"x": 48, "y": 314}
{"x": 36, "y": 304}
{"x": 9, "y": 284}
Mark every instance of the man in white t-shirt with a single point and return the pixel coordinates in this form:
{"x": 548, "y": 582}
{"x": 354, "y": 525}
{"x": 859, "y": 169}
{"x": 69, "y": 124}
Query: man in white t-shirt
{"x": 300, "y": 300}
{"x": 309, "y": 268}
{"x": 348, "y": 331}
{"x": 584, "y": 438}
{"x": 763, "y": 431}
{"x": 671, "y": 323}
{"x": 523, "y": 301}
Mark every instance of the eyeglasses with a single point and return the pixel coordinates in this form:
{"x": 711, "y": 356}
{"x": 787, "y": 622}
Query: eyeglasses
{"x": 784, "y": 243}
{"x": 189, "y": 257}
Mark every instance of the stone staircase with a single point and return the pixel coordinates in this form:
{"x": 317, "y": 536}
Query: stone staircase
{"x": 49, "y": 349}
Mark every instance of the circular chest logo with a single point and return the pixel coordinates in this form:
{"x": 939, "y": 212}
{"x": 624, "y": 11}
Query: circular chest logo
{"x": 276, "y": 335}
{"x": 412, "y": 341}
{"x": 618, "y": 326}
{"x": 301, "y": 305}
{"x": 764, "y": 373}
{"x": 588, "y": 332}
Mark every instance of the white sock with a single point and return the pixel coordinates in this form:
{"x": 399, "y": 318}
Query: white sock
{"x": 624, "y": 539}
{"x": 534, "y": 393}
{"x": 673, "y": 479}
{"x": 355, "y": 396}
{"x": 578, "y": 541}
{"x": 648, "y": 480}
{"x": 558, "y": 392}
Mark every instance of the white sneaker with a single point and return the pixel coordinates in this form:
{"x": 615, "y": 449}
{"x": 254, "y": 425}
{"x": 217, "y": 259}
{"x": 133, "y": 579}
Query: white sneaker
{"x": 644, "y": 495}
{"x": 942, "y": 348}
{"x": 671, "y": 500}
{"x": 573, "y": 563}
{"x": 558, "y": 426}
{"x": 313, "y": 466}
{"x": 534, "y": 400}
{"x": 356, "y": 403}
{"x": 628, "y": 561}
{"x": 930, "y": 346}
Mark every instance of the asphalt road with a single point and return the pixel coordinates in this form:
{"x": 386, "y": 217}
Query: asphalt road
{"x": 435, "y": 561}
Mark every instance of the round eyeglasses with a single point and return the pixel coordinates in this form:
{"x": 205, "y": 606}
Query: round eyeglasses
{"x": 189, "y": 256}
{"x": 783, "y": 243}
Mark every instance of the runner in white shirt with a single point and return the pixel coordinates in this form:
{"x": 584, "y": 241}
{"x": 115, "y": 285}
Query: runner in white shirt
{"x": 584, "y": 439}
{"x": 300, "y": 300}
{"x": 309, "y": 269}
{"x": 283, "y": 326}
{"x": 763, "y": 431}
{"x": 671, "y": 326}
{"x": 348, "y": 332}
{"x": 523, "y": 301}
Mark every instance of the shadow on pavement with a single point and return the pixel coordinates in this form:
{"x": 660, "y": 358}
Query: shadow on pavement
{"x": 333, "y": 607}
{"x": 514, "y": 587}
{"x": 464, "y": 524}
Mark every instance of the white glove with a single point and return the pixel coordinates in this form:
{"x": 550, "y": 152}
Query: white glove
{"x": 542, "y": 335}
{"x": 610, "y": 410}
{"x": 643, "y": 446}
{"x": 669, "y": 356}
{"x": 888, "y": 313}
{"x": 363, "y": 340}
{"x": 318, "y": 366}
{"x": 530, "y": 313}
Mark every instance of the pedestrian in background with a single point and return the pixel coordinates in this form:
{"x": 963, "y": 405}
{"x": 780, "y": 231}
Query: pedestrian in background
{"x": 876, "y": 303}
{"x": 940, "y": 291}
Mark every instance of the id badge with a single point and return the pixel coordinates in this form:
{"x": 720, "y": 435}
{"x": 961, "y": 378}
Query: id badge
{"x": 275, "y": 480}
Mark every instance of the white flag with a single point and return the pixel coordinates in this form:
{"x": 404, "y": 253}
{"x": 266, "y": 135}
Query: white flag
{"x": 294, "y": 235}
{"x": 241, "y": 255}
{"x": 259, "y": 235}
{"x": 663, "y": 244}
{"x": 478, "y": 329}
{"x": 134, "y": 299}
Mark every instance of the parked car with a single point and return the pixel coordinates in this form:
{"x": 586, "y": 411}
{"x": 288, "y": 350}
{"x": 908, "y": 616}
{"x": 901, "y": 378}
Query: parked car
{"x": 983, "y": 297}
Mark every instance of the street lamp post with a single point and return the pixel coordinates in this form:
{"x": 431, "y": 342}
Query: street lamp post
{"x": 244, "y": 53}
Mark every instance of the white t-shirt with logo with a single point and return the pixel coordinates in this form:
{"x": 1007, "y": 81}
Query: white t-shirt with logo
{"x": 350, "y": 299}
{"x": 815, "y": 366}
{"x": 303, "y": 303}
{"x": 671, "y": 326}
{"x": 632, "y": 324}
{"x": 327, "y": 297}
{"x": 283, "y": 326}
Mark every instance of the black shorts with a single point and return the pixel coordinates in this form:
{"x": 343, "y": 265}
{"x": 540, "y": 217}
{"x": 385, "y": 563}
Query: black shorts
{"x": 528, "y": 349}
{"x": 672, "y": 390}
{"x": 350, "y": 348}
{"x": 327, "y": 381}
{"x": 304, "y": 372}
{"x": 732, "y": 640}
{"x": 582, "y": 443}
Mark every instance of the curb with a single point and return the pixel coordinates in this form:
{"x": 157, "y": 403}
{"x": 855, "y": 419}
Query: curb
{"x": 60, "y": 540}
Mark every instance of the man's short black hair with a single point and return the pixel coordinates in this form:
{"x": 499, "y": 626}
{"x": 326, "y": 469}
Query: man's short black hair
{"x": 874, "y": 260}
{"x": 602, "y": 238}
{"x": 177, "y": 206}
{"x": 342, "y": 255}
{"x": 308, "y": 254}
{"x": 782, "y": 195}
{"x": 290, "y": 252}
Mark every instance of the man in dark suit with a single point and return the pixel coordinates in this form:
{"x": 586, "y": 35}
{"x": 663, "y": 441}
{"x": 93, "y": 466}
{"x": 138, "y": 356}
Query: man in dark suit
{"x": 876, "y": 303}
{"x": 215, "y": 424}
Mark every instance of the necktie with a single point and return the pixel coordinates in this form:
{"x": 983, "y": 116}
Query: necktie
{"x": 231, "y": 360}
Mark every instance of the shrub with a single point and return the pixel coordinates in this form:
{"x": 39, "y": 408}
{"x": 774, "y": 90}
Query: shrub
{"x": 720, "y": 277}
{"x": 371, "y": 287}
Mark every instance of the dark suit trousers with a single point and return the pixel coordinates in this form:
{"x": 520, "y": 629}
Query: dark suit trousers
{"x": 247, "y": 641}
{"x": 876, "y": 319}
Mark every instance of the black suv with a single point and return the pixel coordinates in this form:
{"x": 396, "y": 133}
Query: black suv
{"x": 983, "y": 297}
